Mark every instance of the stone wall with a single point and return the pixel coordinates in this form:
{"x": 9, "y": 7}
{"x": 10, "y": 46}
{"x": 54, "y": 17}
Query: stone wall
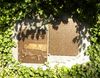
{"x": 80, "y": 40}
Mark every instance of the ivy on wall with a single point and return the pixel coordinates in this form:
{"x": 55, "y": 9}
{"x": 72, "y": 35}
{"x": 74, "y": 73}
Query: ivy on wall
{"x": 85, "y": 11}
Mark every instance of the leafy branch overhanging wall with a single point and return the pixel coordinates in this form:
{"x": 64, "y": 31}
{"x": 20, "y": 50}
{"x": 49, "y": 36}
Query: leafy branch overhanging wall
{"x": 49, "y": 10}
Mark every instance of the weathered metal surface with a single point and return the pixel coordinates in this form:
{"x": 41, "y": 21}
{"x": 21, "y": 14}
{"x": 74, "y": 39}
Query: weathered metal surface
{"x": 32, "y": 50}
{"x": 42, "y": 47}
{"x": 61, "y": 39}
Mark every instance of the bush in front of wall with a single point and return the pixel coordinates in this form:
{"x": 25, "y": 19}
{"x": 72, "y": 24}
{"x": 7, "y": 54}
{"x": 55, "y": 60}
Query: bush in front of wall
{"x": 85, "y": 11}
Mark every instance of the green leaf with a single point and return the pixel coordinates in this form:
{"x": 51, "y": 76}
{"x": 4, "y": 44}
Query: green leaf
{"x": 93, "y": 39}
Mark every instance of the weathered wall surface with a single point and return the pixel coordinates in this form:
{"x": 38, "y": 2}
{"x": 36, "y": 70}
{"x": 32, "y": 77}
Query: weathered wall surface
{"x": 57, "y": 45}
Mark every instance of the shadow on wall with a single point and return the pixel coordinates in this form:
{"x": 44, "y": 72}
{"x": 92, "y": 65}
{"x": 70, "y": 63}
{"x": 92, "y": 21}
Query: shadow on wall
{"x": 29, "y": 27}
{"x": 22, "y": 35}
{"x": 37, "y": 28}
{"x": 82, "y": 29}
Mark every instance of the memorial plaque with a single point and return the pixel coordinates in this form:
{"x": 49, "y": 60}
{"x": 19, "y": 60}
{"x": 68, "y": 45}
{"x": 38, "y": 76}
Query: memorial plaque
{"x": 61, "y": 39}
{"x": 32, "y": 50}
{"x": 32, "y": 45}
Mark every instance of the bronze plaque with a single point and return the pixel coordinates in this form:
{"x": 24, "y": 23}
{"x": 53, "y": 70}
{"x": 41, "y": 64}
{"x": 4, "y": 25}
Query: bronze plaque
{"x": 32, "y": 44}
{"x": 32, "y": 50}
{"x": 61, "y": 39}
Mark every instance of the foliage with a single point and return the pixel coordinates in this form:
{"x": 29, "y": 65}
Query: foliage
{"x": 84, "y": 10}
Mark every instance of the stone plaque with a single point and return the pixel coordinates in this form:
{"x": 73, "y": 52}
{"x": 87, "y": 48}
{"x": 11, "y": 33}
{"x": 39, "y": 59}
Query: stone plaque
{"x": 32, "y": 50}
{"x": 61, "y": 39}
